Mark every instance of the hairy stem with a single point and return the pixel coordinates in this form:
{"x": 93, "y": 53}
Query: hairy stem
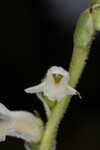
{"x": 84, "y": 34}
{"x": 35, "y": 146}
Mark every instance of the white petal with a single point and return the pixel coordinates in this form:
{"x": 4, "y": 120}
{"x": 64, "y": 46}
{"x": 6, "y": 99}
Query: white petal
{"x": 70, "y": 91}
{"x": 5, "y": 121}
{"x": 35, "y": 89}
{"x": 58, "y": 70}
{"x": 20, "y": 124}
{"x": 4, "y": 112}
{"x": 29, "y": 126}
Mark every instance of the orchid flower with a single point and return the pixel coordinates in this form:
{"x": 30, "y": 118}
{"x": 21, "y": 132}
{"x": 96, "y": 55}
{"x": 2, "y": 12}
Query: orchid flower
{"x": 20, "y": 124}
{"x": 55, "y": 85}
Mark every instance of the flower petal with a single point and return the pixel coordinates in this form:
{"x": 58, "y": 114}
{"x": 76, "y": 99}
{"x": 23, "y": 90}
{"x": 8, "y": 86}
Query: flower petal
{"x": 35, "y": 89}
{"x": 20, "y": 124}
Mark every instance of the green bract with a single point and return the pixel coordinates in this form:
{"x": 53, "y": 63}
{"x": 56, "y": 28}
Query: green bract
{"x": 93, "y": 2}
{"x": 96, "y": 18}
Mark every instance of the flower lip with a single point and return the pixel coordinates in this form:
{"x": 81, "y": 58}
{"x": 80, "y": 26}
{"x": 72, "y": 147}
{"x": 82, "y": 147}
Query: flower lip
{"x": 57, "y": 77}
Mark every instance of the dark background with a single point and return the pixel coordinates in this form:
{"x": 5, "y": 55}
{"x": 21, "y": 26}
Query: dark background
{"x": 35, "y": 35}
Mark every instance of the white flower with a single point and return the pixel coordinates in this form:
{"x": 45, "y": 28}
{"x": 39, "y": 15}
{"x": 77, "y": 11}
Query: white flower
{"x": 55, "y": 85}
{"x": 20, "y": 124}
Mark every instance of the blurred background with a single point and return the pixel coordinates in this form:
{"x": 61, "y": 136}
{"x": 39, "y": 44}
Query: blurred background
{"x": 35, "y": 35}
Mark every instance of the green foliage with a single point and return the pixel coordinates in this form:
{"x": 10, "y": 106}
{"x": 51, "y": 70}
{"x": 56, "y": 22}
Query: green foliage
{"x": 93, "y": 2}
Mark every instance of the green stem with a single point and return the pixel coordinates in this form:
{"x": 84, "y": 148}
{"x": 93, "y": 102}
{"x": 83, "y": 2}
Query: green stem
{"x": 35, "y": 146}
{"x": 51, "y": 127}
{"x": 83, "y": 37}
{"x": 93, "y": 2}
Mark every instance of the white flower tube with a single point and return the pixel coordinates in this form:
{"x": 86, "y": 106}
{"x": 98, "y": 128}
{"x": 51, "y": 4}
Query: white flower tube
{"x": 55, "y": 85}
{"x": 20, "y": 124}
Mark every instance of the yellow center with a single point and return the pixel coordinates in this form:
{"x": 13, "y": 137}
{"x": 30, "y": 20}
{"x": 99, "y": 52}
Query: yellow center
{"x": 57, "y": 77}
